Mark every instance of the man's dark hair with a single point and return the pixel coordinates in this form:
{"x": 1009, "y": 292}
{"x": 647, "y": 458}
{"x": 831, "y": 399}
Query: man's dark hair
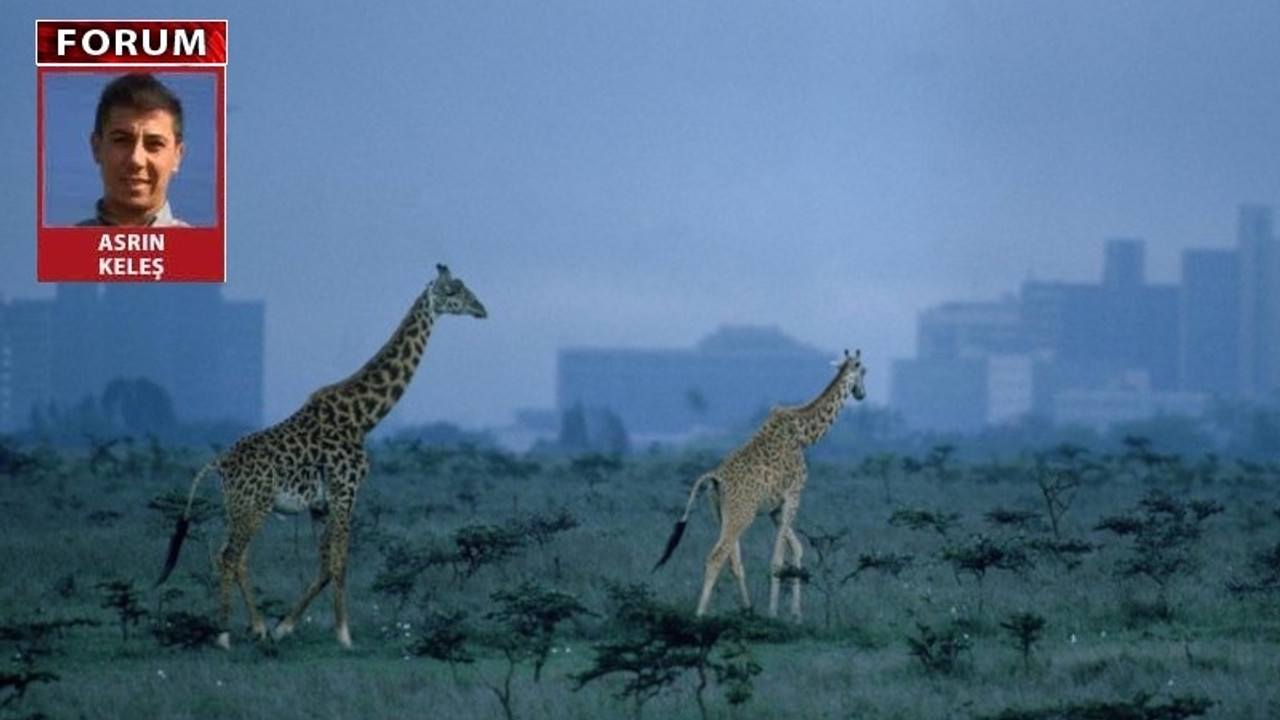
{"x": 141, "y": 92}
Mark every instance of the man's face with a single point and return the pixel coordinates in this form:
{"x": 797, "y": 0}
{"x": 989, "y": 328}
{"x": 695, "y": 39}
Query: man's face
{"x": 137, "y": 154}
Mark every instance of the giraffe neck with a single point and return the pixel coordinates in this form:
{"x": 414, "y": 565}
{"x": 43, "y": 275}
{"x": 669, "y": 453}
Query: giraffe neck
{"x": 368, "y": 394}
{"x": 815, "y": 418}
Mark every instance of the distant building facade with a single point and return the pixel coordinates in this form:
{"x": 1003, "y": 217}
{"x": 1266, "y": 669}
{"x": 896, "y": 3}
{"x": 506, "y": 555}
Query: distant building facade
{"x": 1209, "y": 322}
{"x": 1259, "y": 303}
{"x": 1098, "y": 353}
{"x": 724, "y": 382}
{"x": 206, "y": 352}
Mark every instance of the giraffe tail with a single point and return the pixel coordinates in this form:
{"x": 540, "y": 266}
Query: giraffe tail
{"x": 175, "y": 546}
{"x": 672, "y": 542}
{"x": 180, "y": 531}
{"x": 678, "y": 531}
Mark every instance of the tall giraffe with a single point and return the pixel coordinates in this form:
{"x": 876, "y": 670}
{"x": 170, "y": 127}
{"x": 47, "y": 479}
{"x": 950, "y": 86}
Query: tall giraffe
{"x": 768, "y": 473}
{"x": 315, "y": 460}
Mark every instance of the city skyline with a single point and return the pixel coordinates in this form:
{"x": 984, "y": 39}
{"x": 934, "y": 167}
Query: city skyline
{"x": 1098, "y": 353}
{"x": 1093, "y": 353}
{"x": 641, "y": 174}
{"x": 1124, "y": 263}
{"x": 203, "y": 352}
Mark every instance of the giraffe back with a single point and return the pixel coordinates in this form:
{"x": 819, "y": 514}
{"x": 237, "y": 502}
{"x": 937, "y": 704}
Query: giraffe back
{"x": 767, "y": 468}
{"x": 283, "y": 466}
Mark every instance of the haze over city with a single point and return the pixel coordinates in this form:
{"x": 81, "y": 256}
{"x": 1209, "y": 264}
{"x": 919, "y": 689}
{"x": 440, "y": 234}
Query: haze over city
{"x": 639, "y": 174}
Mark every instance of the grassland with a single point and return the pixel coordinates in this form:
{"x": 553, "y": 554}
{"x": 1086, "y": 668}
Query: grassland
{"x": 916, "y": 569}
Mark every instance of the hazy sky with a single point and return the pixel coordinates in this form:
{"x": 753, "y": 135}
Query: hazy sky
{"x": 639, "y": 173}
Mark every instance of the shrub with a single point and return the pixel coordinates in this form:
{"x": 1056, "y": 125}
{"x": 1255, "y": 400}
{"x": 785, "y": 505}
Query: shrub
{"x": 1164, "y": 531}
{"x": 120, "y": 595}
{"x": 184, "y": 630}
{"x": 924, "y": 519}
{"x": 1264, "y": 568}
{"x": 1025, "y": 628}
{"x": 524, "y": 629}
{"x": 939, "y": 651}
{"x": 480, "y": 545}
{"x": 659, "y": 644}
{"x": 401, "y": 567}
{"x": 1140, "y": 708}
{"x": 443, "y": 636}
{"x": 540, "y": 528}
{"x": 891, "y": 563}
{"x": 25, "y": 645}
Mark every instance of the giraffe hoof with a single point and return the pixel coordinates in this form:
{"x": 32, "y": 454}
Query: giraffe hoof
{"x": 344, "y": 637}
{"x": 282, "y": 630}
{"x": 224, "y": 640}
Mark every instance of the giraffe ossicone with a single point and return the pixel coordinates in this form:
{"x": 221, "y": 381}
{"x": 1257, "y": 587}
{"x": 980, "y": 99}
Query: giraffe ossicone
{"x": 315, "y": 460}
{"x": 768, "y": 472}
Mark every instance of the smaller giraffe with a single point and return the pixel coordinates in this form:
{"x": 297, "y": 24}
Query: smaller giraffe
{"x": 315, "y": 460}
{"x": 768, "y": 473}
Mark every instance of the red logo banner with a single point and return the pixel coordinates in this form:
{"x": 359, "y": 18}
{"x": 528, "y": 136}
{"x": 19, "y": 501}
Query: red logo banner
{"x": 131, "y": 42}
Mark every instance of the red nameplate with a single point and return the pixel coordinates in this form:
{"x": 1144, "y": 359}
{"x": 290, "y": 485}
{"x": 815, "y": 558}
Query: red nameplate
{"x": 141, "y": 254}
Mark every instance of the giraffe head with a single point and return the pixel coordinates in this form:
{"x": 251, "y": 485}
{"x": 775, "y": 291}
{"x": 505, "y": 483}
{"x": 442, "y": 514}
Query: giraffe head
{"x": 449, "y": 296}
{"x": 853, "y": 371}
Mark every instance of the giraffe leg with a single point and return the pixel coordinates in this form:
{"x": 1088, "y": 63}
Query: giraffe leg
{"x": 338, "y": 552}
{"x": 289, "y": 621}
{"x": 257, "y": 622}
{"x": 775, "y": 568}
{"x": 226, "y": 576}
{"x": 333, "y": 562}
{"x": 735, "y": 567}
{"x": 234, "y": 568}
{"x": 785, "y": 540}
{"x": 715, "y": 562}
{"x": 338, "y": 565}
{"x": 797, "y": 552}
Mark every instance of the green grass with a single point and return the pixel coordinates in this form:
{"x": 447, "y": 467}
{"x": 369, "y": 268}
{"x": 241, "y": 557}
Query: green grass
{"x": 1107, "y": 637}
{"x": 814, "y": 678}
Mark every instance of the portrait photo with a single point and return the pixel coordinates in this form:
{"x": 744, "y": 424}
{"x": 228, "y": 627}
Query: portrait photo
{"x": 130, "y": 148}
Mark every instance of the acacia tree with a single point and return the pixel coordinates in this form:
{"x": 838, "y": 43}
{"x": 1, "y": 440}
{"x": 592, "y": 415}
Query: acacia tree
{"x": 826, "y": 546}
{"x": 121, "y": 596}
{"x": 524, "y": 627}
{"x": 1264, "y": 565}
{"x": 981, "y": 553}
{"x": 1164, "y": 532}
{"x": 1025, "y": 628}
{"x": 657, "y": 645}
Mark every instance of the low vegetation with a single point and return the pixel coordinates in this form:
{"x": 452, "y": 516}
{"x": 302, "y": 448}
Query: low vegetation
{"x": 1072, "y": 581}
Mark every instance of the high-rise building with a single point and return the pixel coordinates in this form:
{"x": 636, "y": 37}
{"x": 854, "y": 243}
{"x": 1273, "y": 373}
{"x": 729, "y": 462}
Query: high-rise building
{"x": 1259, "y": 264}
{"x": 970, "y": 360}
{"x": 1064, "y": 351}
{"x": 26, "y": 353}
{"x": 1098, "y": 332}
{"x": 969, "y": 329}
{"x": 1209, "y": 323}
{"x": 1125, "y": 265}
{"x": 1119, "y": 349}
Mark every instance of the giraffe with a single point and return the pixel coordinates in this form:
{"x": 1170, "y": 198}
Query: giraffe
{"x": 768, "y": 473}
{"x": 315, "y": 460}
